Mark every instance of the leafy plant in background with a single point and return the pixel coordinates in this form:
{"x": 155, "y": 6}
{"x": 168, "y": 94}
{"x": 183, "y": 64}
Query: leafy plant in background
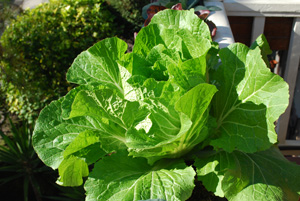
{"x": 131, "y": 11}
{"x": 41, "y": 43}
{"x": 8, "y": 12}
{"x": 150, "y": 121}
{"x": 23, "y": 176}
{"x": 197, "y": 5}
{"x": 20, "y": 163}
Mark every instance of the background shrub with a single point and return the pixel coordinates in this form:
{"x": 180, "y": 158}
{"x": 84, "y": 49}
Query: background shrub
{"x": 131, "y": 11}
{"x": 41, "y": 44}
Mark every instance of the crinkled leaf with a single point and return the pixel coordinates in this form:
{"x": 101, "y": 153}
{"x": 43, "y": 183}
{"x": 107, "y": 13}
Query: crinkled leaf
{"x": 52, "y": 134}
{"x": 174, "y": 131}
{"x": 99, "y": 64}
{"x": 130, "y": 93}
{"x": 264, "y": 175}
{"x": 153, "y": 35}
{"x": 249, "y": 100}
{"x": 181, "y": 31}
{"x": 155, "y": 63}
{"x": 184, "y": 19}
{"x": 120, "y": 177}
{"x": 112, "y": 111}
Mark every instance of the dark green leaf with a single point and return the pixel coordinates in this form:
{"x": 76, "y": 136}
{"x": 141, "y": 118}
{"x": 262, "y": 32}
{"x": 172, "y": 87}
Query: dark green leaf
{"x": 265, "y": 175}
{"x": 249, "y": 101}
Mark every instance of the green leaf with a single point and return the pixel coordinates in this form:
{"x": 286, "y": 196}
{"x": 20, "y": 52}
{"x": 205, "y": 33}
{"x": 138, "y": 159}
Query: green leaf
{"x": 189, "y": 73}
{"x": 71, "y": 171}
{"x": 120, "y": 177}
{"x": 85, "y": 146}
{"x": 155, "y": 62}
{"x": 181, "y": 31}
{"x": 264, "y": 47}
{"x": 99, "y": 64}
{"x": 214, "y": 8}
{"x": 172, "y": 19}
{"x": 173, "y": 133}
{"x": 52, "y": 134}
{"x": 198, "y": 100}
{"x": 68, "y": 100}
{"x": 212, "y": 56}
{"x": 112, "y": 112}
{"x": 197, "y": 8}
{"x": 193, "y": 47}
{"x": 264, "y": 175}
{"x": 153, "y": 35}
{"x": 249, "y": 101}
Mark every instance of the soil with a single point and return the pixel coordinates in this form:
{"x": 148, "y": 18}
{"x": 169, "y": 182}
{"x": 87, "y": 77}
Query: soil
{"x": 201, "y": 194}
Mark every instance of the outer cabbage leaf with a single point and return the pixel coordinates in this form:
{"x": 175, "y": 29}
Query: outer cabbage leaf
{"x": 120, "y": 177}
{"x": 249, "y": 101}
{"x": 81, "y": 152}
{"x": 264, "y": 175}
{"x": 52, "y": 134}
{"x": 115, "y": 114}
{"x": 85, "y": 146}
{"x": 99, "y": 64}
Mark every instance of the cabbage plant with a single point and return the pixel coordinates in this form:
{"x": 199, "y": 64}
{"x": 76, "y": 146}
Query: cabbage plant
{"x": 146, "y": 124}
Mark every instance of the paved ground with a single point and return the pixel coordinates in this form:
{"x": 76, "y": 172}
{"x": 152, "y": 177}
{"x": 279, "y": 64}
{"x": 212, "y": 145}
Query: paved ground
{"x": 32, "y": 3}
{"x": 29, "y": 3}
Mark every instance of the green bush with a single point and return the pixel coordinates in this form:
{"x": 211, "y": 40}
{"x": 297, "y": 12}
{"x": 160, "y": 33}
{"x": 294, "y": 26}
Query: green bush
{"x": 131, "y": 11}
{"x": 41, "y": 44}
